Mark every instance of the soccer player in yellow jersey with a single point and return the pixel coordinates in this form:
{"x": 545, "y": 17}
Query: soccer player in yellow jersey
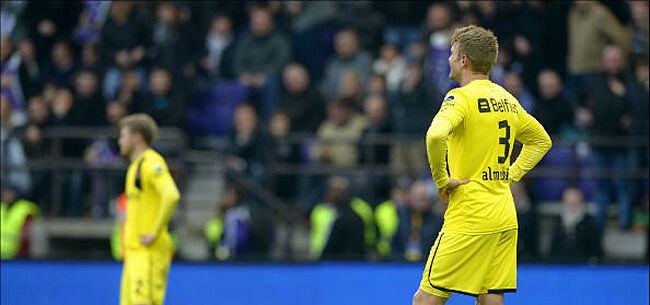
{"x": 152, "y": 197}
{"x": 476, "y": 250}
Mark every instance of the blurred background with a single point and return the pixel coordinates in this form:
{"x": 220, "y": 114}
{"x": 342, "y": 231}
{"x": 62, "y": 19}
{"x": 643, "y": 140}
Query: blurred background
{"x": 295, "y": 130}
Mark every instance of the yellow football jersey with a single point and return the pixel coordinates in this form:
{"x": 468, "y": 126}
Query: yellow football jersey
{"x": 481, "y": 121}
{"x": 152, "y": 196}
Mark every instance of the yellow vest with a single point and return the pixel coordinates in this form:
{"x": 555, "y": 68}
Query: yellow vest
{"x": 363, "y": 209}
{"x": 322, "y": 217}
{"x": 387, "y": 221}
{"x": 11, "y": 225}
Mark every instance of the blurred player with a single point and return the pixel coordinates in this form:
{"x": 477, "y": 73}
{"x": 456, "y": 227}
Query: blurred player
{"x": 476, "y": 250}
{"x": 152, "y": 197}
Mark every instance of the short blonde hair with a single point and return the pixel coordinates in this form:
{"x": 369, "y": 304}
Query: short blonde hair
{"x": 141, "y": 123}
{"x": 479, "y": 44}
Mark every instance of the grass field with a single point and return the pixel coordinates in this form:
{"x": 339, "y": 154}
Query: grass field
{"x": 97, "y": 283}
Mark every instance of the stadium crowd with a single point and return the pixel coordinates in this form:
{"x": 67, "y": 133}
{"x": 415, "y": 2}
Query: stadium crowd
{"x": 258, "y": 72}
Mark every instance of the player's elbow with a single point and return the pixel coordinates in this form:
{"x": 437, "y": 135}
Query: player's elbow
{"x": 546, "y": 143}
{"x": 174, "y": 196}
{"x": 434, "y": 135}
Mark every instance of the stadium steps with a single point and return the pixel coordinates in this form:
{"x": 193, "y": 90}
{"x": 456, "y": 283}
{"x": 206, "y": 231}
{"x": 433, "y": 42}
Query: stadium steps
{"x": 202, "y": 191}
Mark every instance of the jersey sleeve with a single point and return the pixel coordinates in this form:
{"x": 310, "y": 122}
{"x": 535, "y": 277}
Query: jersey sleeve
{"x": 452, "y": 113}
{"x": 536, "y": 143}
{"x": 161, "y": 181}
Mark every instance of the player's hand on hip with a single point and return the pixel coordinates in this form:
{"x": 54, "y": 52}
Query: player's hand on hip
{"x": 146, "y": 239}
{"x": 445, "y": 190}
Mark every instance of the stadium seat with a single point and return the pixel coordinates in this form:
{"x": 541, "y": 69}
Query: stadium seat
{"x": 213, "y": 112}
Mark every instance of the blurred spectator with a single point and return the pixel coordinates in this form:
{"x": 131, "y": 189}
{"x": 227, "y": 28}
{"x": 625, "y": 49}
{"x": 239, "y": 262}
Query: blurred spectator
{"x": 39, "y": 118}
{"x": 379, "y": 124}
{"x": 348, "y": 57}
{"x": 300, "y": 100}
{"x": 591, "y": 27}
{"x": 173, "y": 45}
{"x": 346, "y": 236}
{"x": 418, "y": 224}
{"x": 527, "y": 218}
{"x": 377, "y": 85}
{"x": 504, "y": 64}
{"x": 312, "y": 28}
{"x": 259, "y": 58}
{"x": 402, "y": 19}
{"x": 338, "y": 135}
{"x": 387, "y": 216}
{"x": 11, "y": 17}
{"x": 62, "y": 68}
{"x": 376, "y": 112}
{"x": 37, "y": 146}
{"x": 638, "y": 99}
{"x": 515, "y": 85}
{"x": 17, "y": 217}
{"x": 10, "y": 81}
{"x": 63, "y": 115}
{"x": 61, "y": 104}
{"x": 101, "y": 152}
{"x": 639, "y": 12}
{"x": 29, "y": 72}
{"x": 11, "y": 151}
{"x": 89, "y": 106}
{"x": 351, "y": 89}
{"x": 608, "y": 114}
{"x": 412, "y": 110}
{"x": 437, "y": 35}
{"x": 217, "y": 61}
{"x": 91, "y": 20}
{"x": 390, "y": 64}
{"x": 239, "y": 229}
{"x": 49, "y": 22}
{"x": 132, "y": 92}
{"x": 553, "y": 111}
{"x": 247, "y": 143}
{"x": 576, "y": 234}
{"x": 363, "y": 19}
{"x": 306, "y": 15}
{"x": 163, "y": 102}
{"x": 281, "y": 151}
{"x": 115, "y": 111}
{"x": 124, "y": 41}
{"x": 91, "y": 60}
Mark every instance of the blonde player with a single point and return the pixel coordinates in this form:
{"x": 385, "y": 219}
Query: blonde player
{"x": 476, "y": 250}
{"x": 152, "y": 197}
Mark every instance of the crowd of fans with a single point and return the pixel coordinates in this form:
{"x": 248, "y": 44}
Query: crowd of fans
{"x": 344, "y": 71}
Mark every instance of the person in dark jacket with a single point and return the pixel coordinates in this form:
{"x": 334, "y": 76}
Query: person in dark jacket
{"x": 576, "y": 234}
{"x": 554, "y": 112}
{"x": 247, "y": 143}
{"x": 163, "y": 103}
{"x": 89, "y": 106}
{"x": 300, "y": 100}
{"x": 608, "y": 114}
{"x": 418, "y": 224}
{"x": 259, "y": 58}
{"x": 282, "y": 152}
{"x": 409, "y": 119}
{"x": 379, "y": 125}
{"x": 345, "y": 240}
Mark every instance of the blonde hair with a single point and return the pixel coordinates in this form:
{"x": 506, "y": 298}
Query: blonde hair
{"x": 141, "y": 123}
{"x": 479, "y": 44}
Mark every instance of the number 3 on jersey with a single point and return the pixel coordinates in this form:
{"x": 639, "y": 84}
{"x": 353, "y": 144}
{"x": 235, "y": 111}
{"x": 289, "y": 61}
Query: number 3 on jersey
{"x": 505, "y": 140}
